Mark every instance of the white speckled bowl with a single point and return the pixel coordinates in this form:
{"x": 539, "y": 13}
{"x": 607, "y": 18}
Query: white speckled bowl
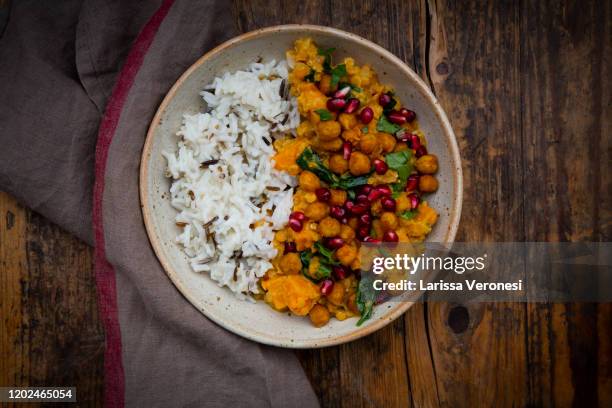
{"x": 257, "y": 321}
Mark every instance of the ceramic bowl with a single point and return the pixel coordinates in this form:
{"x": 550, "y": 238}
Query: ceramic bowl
{"x": 257, "y": 321}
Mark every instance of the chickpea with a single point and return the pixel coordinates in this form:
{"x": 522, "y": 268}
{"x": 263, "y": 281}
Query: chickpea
{"x": 352, "y": 304}
{"x": 347, "y": 120}
{"x": 330, "y": 146}
{"x": 337, "y": 164}
{"x": 338, "y": 197}
{"x": 427, "y": 164}
{"x": 428, "y": 184}
{"x": 319, "y": 315}
{"x": 388, "y": 221}
{"x": 325, "y": 84}
{"x": 351, "y": 135}
{"x": 316, "y": 211}
{"x": 291, "y": 264}
{"x": 346, "y": 254}
{"x": 359, "y": 164}
{"x": 368, "y": 143}
{"x": 347, "y": 233}
{"x": 328, "y": 130}
{"x": 400, "y": 146}
{"x": 329, "y": 227}
{"x": 336, "y": 297}
{"x": 387, "y": 142}
{"x": 309, "y": 181}
{"x": 353, "y": 223}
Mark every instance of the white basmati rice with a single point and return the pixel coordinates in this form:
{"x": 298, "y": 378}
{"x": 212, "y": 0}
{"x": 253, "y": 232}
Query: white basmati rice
{"x": 219, "y": 203}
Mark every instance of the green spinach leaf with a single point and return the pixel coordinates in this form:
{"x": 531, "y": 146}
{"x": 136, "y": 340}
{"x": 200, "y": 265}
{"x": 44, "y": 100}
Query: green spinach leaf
{"x": 337, "y": 73}
{"x": 327, "y": 53}
{"x": 383, "y": 125}
{"x": 408, "y": 215}
{"x": 326, "y": 253}
{"x": 400, "y": 162}
{"x": 366, "y": 296}
{"x": 324, "y": 114}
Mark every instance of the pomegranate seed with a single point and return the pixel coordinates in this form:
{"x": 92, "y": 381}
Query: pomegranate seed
{"x": 347, "y": 148}
{"x": 363, "y": 199}
{"x": 344, "y": 220}
{"x": 295, "y": 225}
{"x": 363, "y": 231}
{"x": 359, "y": 209}
{"x": 365, "y": 219}
{"x": 365, "y": 189}
{"x": 408, "y": 114}
{"x": 340, "y": 272}
{"x": 326, "y": 287}
{"x": 335, "y": 243}
{"x": 415, "y": 141}
{"x": 366, "y": 115}
{"x": 380, "y": 167}
{"x": 290, "y": 247}
{"x": 412, "y": 183}
{"x": 421, "y": 151}
{"x": 323, "y": 194}
{"x": 374, "y": 195}
{"x": 388, "y": 204}
{"x": 337, "y": 212}
{"x": 390, "y": 236}
{"x": 396, "y": 117}
{"x": 298, "y": 215}
{"x": 352, "y": 106}
{"x": 371, "y": 240}
{"x": 384, "y": 190}
{"x": 384, "y": 99}
{"x": 414, "y": 200}
{"x": 349, "y": 205}
{"x": 342, "y": 93}
{"x": 336, "y": 104}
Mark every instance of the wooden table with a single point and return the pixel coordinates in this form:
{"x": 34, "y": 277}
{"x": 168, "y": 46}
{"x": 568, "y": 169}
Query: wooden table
{"x": 526, "y": 86}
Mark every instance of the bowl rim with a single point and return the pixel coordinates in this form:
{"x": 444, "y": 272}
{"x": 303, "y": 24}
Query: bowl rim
{"x": 420, "y": 85}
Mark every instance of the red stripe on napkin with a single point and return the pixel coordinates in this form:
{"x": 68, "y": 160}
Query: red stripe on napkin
{"x": 114, "y": 388}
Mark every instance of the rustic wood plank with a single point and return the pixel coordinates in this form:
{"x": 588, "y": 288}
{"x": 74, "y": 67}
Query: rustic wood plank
{"x": 473, "y": 60}
{"x": 48, "y": 298}
{"x": 565, "y": 61}
{"x": 13, "y": 353}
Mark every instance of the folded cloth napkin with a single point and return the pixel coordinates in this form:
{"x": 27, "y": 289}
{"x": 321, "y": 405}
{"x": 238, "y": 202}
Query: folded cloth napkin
{"x": 58, "y": 65}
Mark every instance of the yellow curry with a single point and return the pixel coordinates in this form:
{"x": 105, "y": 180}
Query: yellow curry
{"x": 363, "y": 170}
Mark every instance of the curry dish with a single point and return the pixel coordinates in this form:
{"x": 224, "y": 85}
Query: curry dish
{"x": 363, "y": 170}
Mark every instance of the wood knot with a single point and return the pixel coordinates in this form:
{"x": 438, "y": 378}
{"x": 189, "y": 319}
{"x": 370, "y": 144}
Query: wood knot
{"x": 10, "y": 220}
{"x": 442, "y": 68}
{"x": 458, "y": 319}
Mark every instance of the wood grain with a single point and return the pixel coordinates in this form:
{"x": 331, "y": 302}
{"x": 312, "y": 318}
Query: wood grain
{"x": 526, "y": 86}
{"x": 474, "y": 71}
{"x": 565, "y": 62}
{"x": 51, "y": 334}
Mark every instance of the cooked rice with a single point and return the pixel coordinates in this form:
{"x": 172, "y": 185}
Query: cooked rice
{"x": 224, "y": 181}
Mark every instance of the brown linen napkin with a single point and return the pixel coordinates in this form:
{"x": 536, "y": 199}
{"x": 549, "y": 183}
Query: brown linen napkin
{"x": 168, "y": 354}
